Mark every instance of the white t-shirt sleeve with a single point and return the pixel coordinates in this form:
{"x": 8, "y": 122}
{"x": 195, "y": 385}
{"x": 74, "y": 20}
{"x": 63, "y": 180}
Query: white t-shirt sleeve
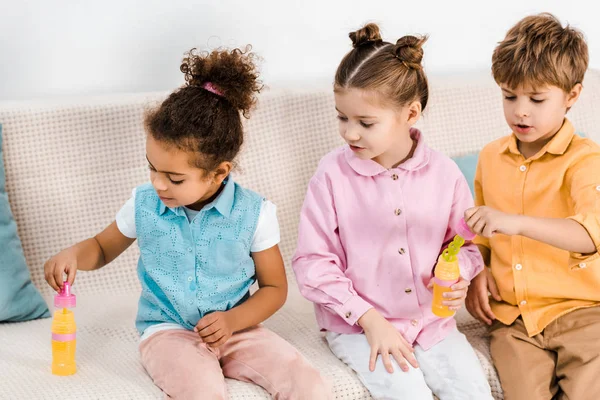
{"x": 126, "y": 218}
{"x": 266, "y": 235}
{"x": 267, "y": 228}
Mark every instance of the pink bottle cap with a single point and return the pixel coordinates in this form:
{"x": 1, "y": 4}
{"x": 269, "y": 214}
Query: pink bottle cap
{"x": 464, "y": 231}
{"x": 65, "y": 299}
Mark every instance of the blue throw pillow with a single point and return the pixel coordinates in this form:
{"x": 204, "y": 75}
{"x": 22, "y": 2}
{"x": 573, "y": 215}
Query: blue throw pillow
{"x": 468, "y": 165}
{"x": 19, "y": 298}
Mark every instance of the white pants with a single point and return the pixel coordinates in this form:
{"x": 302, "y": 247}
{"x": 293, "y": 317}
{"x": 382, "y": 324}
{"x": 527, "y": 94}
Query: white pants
{"x": 450, "y": 369}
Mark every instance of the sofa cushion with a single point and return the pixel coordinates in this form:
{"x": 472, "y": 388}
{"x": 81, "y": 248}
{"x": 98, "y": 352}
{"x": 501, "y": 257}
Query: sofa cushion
{"x": 109, "y": 366}
{"x": 19, "y": 299}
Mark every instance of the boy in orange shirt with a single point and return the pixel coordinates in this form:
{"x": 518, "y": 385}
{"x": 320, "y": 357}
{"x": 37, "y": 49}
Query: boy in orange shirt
{"x": 538, "y": 219}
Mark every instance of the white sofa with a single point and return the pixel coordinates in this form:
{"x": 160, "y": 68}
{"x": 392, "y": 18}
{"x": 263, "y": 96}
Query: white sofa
{"x": 71, "y": 164}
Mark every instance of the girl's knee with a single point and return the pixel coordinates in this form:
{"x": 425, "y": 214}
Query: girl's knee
{"x": 306, "y": 382}
{"x": 192, "y": 389}
{"x": 309, "y": 384}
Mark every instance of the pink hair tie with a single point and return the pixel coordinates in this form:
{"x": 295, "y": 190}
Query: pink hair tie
{"x": 212, "y": 88}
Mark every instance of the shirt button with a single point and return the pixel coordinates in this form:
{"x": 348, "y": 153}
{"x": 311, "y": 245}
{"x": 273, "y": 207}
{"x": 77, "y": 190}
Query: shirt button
{"x": 598, "y": 188}
{"x": 348, "y": 314}
{"x": 518, "y": 267}
{"x": 408, "y": 290}
{"x": 190, "y": 279}
{"x": 398, "y": 211}
{"x": 414, "y": 322}
{"x": 191, "y": 302}
{"x": 523, "y": 168}
{"x": 523, "y": 302}
{"x": 401, "y": 250}
{"x": 189, "y": 249}
{"x": 395, "y": 177}
{"x": 582, "y": 265}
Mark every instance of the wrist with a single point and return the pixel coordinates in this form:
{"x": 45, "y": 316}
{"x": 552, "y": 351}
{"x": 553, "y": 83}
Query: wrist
{"x": 233, "y": 320}
{"x": 365, "y": 319}
{"x": 520, "y": 222}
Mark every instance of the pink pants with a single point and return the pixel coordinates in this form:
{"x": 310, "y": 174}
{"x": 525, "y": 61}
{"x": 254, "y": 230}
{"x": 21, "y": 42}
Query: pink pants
{"x": 185, "y": 368}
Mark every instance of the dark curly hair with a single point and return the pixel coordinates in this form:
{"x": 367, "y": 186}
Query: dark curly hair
{"x": 196, "y": 119}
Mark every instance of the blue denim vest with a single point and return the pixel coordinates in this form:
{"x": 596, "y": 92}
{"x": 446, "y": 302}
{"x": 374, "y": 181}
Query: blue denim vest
{"x": 188, "y": 269}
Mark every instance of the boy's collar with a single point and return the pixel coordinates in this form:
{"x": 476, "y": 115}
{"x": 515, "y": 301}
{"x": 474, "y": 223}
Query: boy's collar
{"x": 557, "y": 145}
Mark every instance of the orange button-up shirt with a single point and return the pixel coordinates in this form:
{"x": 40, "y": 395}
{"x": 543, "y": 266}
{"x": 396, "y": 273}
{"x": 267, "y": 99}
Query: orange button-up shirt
{"x": 537, "y": 281}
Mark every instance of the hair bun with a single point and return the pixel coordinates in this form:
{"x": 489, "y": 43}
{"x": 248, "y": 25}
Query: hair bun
{"x": 365, "y": 35}
{"x": 231, "y": 74}
{"x": 409, "y": 50}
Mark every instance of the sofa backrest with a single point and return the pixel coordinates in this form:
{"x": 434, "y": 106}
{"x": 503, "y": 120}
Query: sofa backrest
{"x": 72, "y": 163}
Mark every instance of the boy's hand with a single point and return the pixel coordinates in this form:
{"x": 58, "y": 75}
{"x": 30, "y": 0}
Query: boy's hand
{"x": 485, "y": 221}
{"x": 62, "y": 263}
{"x": 215, "y": 328}
{"x": 478, "y": 301}
{"x": 456, "y": 298}
{"x": 385, "y": 339}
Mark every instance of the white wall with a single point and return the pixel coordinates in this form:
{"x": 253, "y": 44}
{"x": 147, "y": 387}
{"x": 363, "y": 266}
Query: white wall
{"x": 76, "y": 47}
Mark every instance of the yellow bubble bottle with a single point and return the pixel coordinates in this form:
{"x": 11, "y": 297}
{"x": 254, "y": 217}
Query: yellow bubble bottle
{"x": 447, "y": 270}
{"x": 64, "y": 333}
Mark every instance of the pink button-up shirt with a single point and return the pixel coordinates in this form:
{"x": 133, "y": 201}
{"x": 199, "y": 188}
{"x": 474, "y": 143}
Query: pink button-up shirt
{"x": 370, "y": 237}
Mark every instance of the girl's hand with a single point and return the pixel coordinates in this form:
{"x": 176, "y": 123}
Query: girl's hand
{"x": 215, "y": 328}
{"x": 62, "y": 263}
{"x": 385, "y": 340}
{"x": 456, "y": 298}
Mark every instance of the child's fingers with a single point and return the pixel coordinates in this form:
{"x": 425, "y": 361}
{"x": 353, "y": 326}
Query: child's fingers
{"x": 385, "y": 356}
{"x": 206, "y": 321}
{"x": 480, "y": 315}
{"x": 220, "y": 342}
{"x": 405, "y": 343}
{"x": 372, "y": 359}
{"x": 486, "y": 309}
{"x": 209, "y": 330}
{"x": 71, "y": 271}
{"x": 58, "y": 276}
{"x": 488, "y": 231}
{"x": 460, "y": 285}
{"x": 453, "y": 303}
{"x": 474, "y": 221}
{"x": 492, "y": 287}
{"x": 470, "y": 212}
{"x": 474, "y": 307}
{"x": 479, "y": 226}
{"x": 400, "y": 360}
{"x": 459, "y": 294}
{"x": 213, "y": 339}
{"x": 49, "y": 275}
{"x": 408, "y": 354}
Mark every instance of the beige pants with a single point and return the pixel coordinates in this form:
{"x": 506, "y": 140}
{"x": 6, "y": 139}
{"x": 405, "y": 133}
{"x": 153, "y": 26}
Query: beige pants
{"x": 562, "y": 362}
{"x": 185, "y": 368}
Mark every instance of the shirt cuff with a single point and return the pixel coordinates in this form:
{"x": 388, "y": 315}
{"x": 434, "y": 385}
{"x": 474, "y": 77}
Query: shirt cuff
{"x": 470, "y": 264}
{"x": 353, "y": 309}
{"x": 591, "y": 223}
